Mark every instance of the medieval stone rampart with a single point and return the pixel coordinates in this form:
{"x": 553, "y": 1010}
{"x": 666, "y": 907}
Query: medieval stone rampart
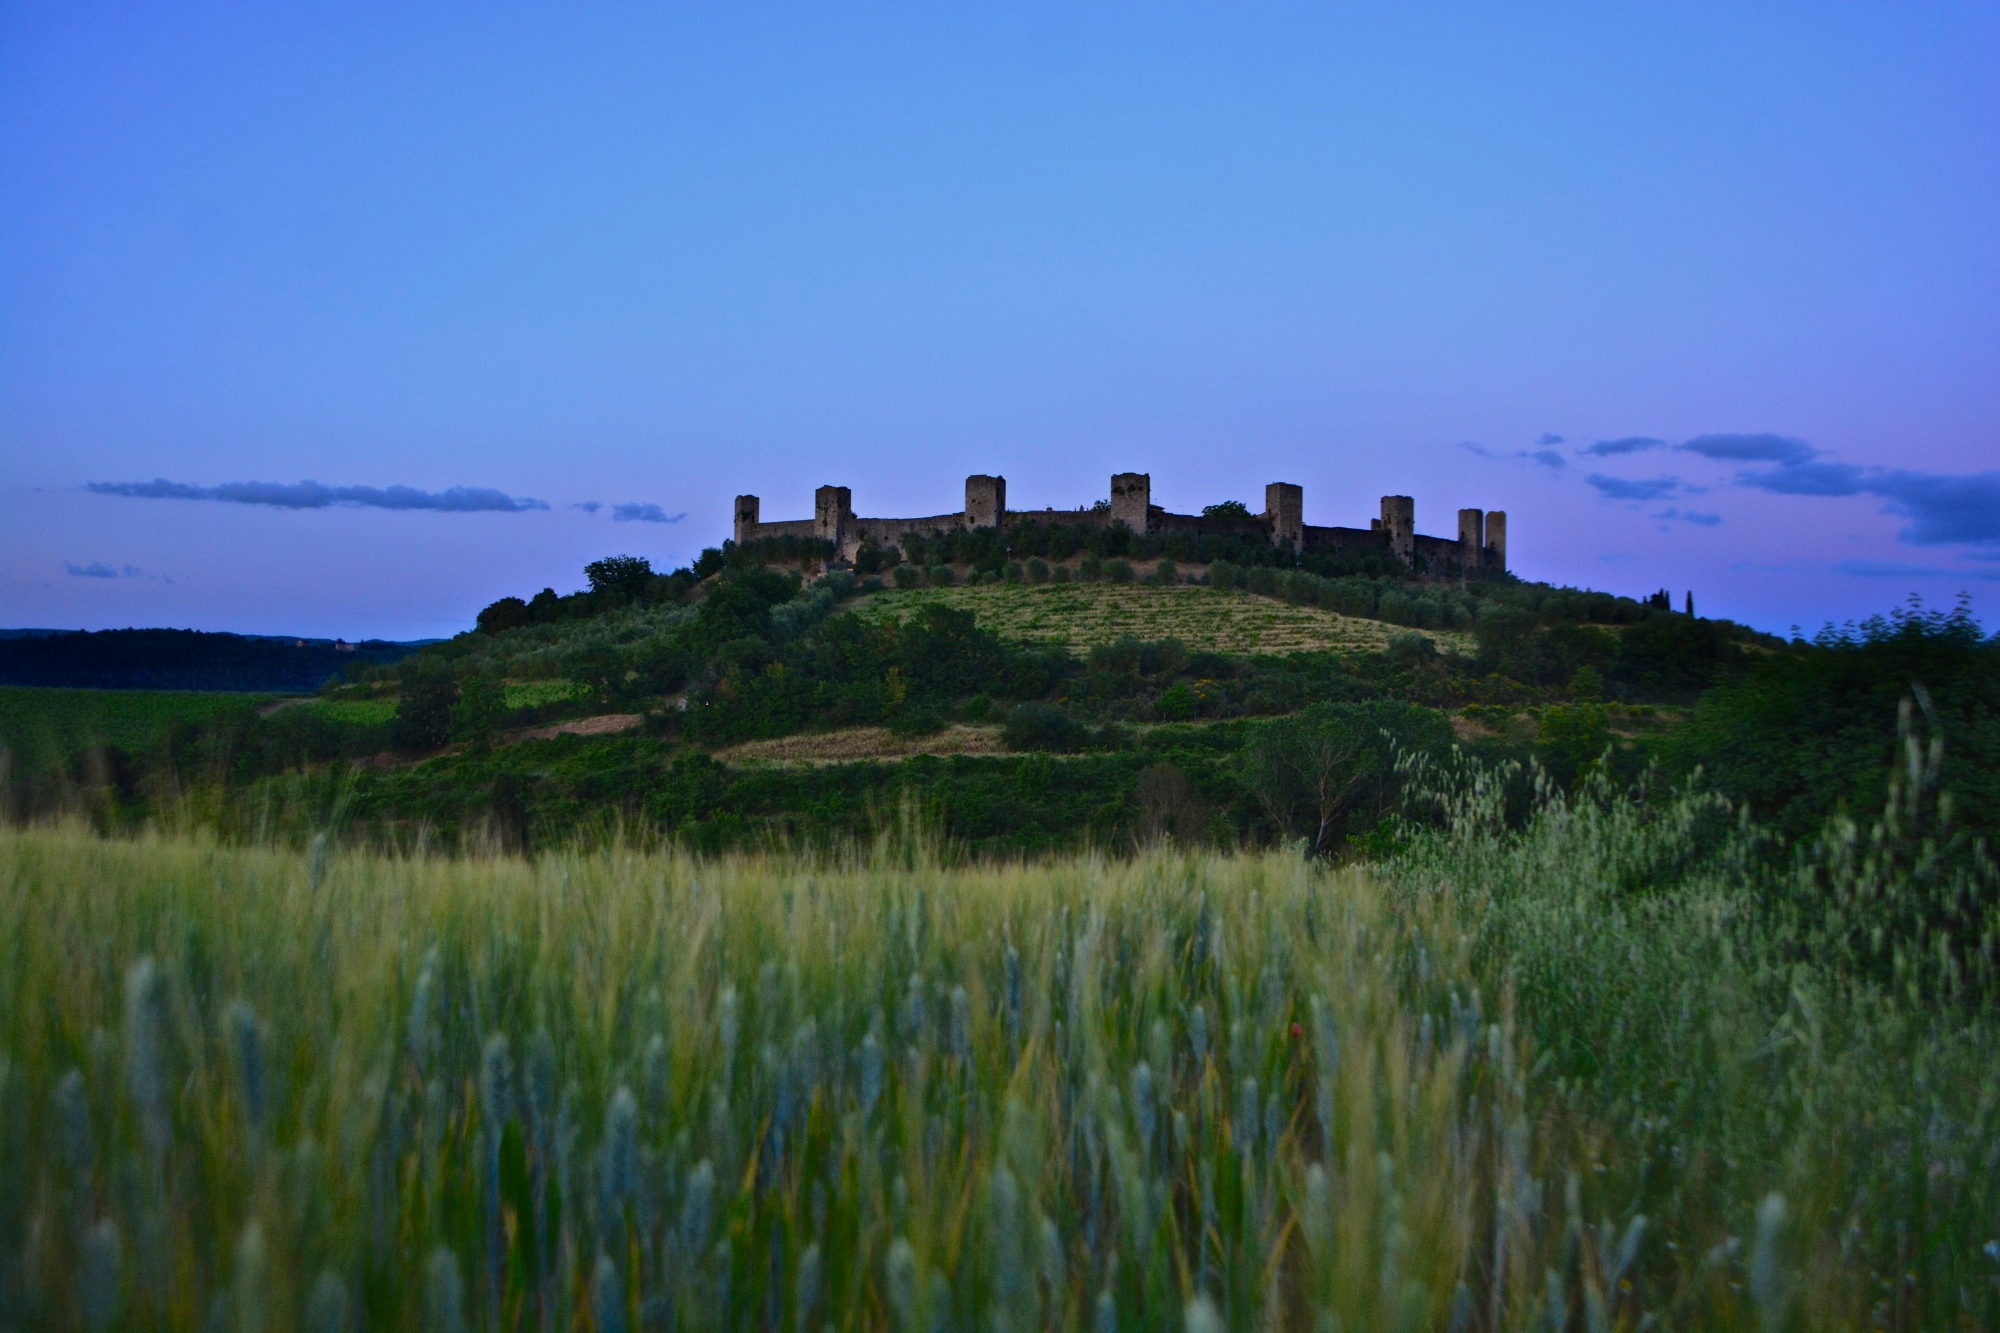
{"x": 1481, "y": 542}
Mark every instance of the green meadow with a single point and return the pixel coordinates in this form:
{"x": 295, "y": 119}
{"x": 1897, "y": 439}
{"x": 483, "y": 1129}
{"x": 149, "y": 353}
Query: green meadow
{"x": 43, "y": 727}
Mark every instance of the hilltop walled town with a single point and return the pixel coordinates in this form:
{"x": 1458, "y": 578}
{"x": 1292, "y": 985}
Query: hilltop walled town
{"x": 1481, "y": 543}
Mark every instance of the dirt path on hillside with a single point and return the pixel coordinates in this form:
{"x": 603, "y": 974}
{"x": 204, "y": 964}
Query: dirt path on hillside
{"x": 857, "y": 743}
{"x": 604, "y": 724}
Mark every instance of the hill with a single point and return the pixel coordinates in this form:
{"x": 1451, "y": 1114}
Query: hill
{"x": 182, "y": 659}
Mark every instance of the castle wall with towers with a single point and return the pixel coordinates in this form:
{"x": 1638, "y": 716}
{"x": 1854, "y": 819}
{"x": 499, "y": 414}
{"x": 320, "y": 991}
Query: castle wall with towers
{"x": 1480, "y": 544}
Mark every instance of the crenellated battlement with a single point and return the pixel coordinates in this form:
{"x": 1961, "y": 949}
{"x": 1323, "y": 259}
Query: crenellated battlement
{"x": 1481, "y": 542}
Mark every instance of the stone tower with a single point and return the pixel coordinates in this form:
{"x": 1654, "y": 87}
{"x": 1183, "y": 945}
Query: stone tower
{"x": 1496, "y": 537}
{"x": 1471, "y": 538}
{"x": 985, "y": 501}
{"x": 1399, "y": 520}
{"x": 1285, "y": 506}
{"x": 746, "y": 517}
{"x": 1131, "y": 498}
{"x": 833, "y": 515}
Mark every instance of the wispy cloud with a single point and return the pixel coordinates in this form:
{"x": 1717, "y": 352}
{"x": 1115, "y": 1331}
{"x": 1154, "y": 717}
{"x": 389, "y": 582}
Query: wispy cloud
{"x": 643, "y": 513}
{"x": 1943, "y": 509}
{"x": 1752, "y": 448}
{"x": 1545, "y": 456}
{"x": 1549, "y": 437}
{"x": 588, "y": 506}
{"x": 1628, "y": 488}
{"x": 97, "y": 569}
{"x": 313, "y": 495}
{"x": 1630, "y": 444}
{"x": 1695, "y": 516}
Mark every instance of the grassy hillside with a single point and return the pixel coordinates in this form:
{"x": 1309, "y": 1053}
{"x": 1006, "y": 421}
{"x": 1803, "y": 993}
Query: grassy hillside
{"x": 40, "y": 726}
{"x": 1082, "y": 615}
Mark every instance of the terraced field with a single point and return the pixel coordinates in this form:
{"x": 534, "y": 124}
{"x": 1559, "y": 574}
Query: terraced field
{"x": 1081, "y": 615}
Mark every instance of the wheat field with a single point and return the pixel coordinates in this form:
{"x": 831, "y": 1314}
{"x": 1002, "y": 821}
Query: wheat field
{"x": 260, "y": 1089}
{"x": 249, "y": 1088}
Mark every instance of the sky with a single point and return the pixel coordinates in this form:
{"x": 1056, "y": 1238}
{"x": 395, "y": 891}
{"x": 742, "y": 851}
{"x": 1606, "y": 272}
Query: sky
{"x": 349, "y": 319}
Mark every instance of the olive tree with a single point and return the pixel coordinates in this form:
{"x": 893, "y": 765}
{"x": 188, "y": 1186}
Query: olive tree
{"x": 1306, "y": 771}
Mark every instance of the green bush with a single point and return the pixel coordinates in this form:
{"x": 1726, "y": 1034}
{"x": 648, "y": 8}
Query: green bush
{"x": 1410, "y": 648}
{"x": 1061, "y": 574}
{"x": 1165, "y": 574}
{"x": 1118, "y": 571}
{"x": 908, "y": 576}
{"x": 1038, "y": 726}
{"x": 1178, "y": 702}
{"x": 916, "y": 720}
{"x": 479, "y": 710}
{"x": 1015, "y": 572}
{"x": 423, "y": 713}
{"x": 1090, "y": 568}
{"x": 1223, "y": 576}
{"x": 940, "y": 576}
{"x": 1037, "y": 570}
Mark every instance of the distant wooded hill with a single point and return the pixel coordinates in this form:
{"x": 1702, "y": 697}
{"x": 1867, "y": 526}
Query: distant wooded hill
{"x": 183, "y": 659}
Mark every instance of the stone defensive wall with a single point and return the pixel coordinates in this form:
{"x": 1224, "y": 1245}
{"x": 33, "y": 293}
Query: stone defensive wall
{"x": 1481, "y": 542}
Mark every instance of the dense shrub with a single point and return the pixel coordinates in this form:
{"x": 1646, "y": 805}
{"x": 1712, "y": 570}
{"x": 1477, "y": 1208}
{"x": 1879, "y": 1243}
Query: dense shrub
{"x": 1411, "y": 648}
{"x": 423, "y": 713}
{"x": 1038, "y": 726}
{"x": 1811, "y": 729}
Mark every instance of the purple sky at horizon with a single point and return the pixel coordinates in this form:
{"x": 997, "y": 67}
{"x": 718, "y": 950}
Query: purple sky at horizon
{"x": 1705, "y": 297}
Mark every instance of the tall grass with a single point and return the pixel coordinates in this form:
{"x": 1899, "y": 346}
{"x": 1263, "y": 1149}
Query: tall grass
{"x": 1600, "y": 1070}
{"x": 253, "y": 1088}
{"x": 1794, "y": 1066}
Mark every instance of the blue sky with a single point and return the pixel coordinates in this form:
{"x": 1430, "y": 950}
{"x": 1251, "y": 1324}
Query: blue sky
{"x": 348, "y": 319}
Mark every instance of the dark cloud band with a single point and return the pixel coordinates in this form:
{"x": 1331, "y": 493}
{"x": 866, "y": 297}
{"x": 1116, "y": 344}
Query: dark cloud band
{"x": 643, "y": 513}
{"x": 313, "y": 495}
{"x": 1630, "y": 444}
{"x": 1629, "y": 488}
{"x": 1752, "y": 448}
{"x": 1943, "y": 510}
